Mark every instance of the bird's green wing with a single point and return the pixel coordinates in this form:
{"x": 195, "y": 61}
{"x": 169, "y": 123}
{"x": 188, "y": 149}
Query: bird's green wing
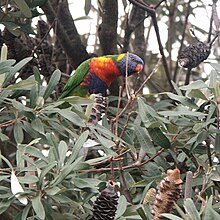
{"x": 75, "y": 79}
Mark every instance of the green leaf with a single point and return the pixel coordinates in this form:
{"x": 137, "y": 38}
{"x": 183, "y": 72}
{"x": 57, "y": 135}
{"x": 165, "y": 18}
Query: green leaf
{"x": 65, "y": 171}
{"x": 181, "y": 112}
{"x": 18, "y": 132}
{"x": 147, "y": 114}
{"x": 208, "y": 209}
{"x": 196, "y": 93}
{"x": 182, "y": 99}
{"x": 16, "y": 68}
{"x": 38, "y": 207}
{"x": 172, "y": 217}
{"x": 45, "y": 171}
{"x": 28, "y": 179}
{"x": 22, "y": 5}
{"x": 144, "y": 140}
{"x": 12, "y": 27}
{"x": 71, "y": 116}
{"x": 22, "y": 85}
{"x": 122, "y": 206}
{"x": 25, "y": 212}
{"x": 213, "y": 79}
{"x": 87, "y": 6}
{"x": 199, "y": 84}
{"x": 54, "y": 79}
{"x": 159, "y": 137}
{"x": 191, "y": 209}
{"x": 76, "y": 100}
{"x": 62, "y": 149}
{"x": 4, "y": 205}
{"x": 3, "y": 137}
{"x": 217, "y": 145}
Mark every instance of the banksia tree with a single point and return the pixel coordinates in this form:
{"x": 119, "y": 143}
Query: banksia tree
{"x": 169, "y": 191}
{"x": 105, "y": 206}
{"x": 193, "y": 55}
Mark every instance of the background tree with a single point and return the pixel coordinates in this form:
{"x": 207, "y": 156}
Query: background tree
{"x": 46, "y": 172}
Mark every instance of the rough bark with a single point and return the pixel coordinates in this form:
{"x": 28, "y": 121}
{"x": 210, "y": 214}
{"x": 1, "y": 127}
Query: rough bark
{"x": 66, "y": 31}
{"x": 107, "y": 30}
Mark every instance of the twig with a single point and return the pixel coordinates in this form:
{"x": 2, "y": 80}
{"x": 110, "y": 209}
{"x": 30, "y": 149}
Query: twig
{"x": 209, "y": 154}
{"x": 188, "y": 74}
{"x": 151, "y": 12}
{"x": 134, "y": 165}
{"x": 148, "y": 78}
{"x": 183, "y": 38}
{"x": 124, "y": 184}
{"x": 10, "y": 122}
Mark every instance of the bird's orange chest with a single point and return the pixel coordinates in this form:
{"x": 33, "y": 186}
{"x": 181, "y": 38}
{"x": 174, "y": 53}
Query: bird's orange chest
{"x": 105, "y": 69}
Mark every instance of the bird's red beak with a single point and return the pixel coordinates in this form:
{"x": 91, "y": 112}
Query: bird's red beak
{"x": 139, "y": 68}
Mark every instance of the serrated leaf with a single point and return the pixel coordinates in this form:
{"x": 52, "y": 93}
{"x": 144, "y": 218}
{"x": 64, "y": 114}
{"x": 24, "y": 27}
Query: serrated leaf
{"x": 22, "y": 5}
{"x": 16, "y": 189}
{"x": 54, "y": 79}
{"x": 159, "y": 137}
{"x": 38, "y": 207}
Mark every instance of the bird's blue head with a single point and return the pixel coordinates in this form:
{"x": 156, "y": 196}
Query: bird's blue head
{"x": 130, "y": 63}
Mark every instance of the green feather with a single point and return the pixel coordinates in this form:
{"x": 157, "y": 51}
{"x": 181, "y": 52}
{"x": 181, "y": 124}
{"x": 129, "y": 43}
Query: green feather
{"x": 75, "y": 80}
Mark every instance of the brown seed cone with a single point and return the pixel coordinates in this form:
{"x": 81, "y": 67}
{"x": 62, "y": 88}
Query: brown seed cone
{"x": 193, "y": 55}
{"x": 169, "y": 191}
{"x": 105, "y": 206}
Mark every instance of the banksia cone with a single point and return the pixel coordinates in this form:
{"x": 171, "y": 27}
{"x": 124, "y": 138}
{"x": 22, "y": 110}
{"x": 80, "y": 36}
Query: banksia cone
{"x": 98, "y": 108}
{"x": 149, "y": 196}
{"x": 105, "y": 206}
{"x": 193, "y": 55}
{"x": 169, "y": 191}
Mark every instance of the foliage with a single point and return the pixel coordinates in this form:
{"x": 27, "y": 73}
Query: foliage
{"x": 57, "y": 177}
{"x": 54, "y": 163}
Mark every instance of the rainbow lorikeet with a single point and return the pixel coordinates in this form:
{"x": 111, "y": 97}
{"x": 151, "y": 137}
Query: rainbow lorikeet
{"x": 95, "y": 75}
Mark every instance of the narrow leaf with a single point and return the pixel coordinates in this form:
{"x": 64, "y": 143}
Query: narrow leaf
{"x": 38, "y": 207}
{"x": 159, "y": 138}
{"x": 54, "y": 79}
{"x": 144, "y": 140}
{"x": 22, "y": 5}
